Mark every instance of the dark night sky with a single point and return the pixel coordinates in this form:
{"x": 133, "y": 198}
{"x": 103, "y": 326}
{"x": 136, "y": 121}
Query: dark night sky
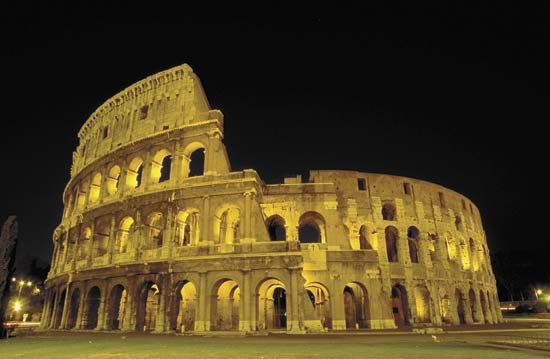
{"x": 452, "y": 95}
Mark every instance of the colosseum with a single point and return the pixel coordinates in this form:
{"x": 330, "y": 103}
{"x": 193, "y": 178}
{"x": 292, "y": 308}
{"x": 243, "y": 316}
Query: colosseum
{"x": 159, "y": 234}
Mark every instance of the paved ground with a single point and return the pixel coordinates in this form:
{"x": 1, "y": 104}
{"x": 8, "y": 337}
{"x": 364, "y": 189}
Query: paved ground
{"x": 479, "y": 344}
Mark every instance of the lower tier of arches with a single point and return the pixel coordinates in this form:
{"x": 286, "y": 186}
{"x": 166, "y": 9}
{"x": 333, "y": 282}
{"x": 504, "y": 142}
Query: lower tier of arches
{"x": 283, "y": 300}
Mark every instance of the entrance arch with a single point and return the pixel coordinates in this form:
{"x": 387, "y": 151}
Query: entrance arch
{"x": 92, "y": 302}
{"x": 117, "y": 307}
{"x": 460, "y": 307}
{"x": 225, "y": 305}
{"x": 400, "y": 305}
{"x": 422, "y": 299}
{"x": 147, "y": 307}
{"x": 319, "y": 296}
{"x": 272, "y": 305}
{"x": 184, "y": 307}
{"x": 73, "y": 309}
{"x": 356, "y": 306}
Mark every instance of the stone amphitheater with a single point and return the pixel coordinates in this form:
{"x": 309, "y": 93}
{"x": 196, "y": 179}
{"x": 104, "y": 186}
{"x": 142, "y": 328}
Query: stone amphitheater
{"x": 159, "y": 234}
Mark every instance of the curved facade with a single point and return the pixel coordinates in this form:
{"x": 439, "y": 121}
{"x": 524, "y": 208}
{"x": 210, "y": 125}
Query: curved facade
{"x": 159, "y": 234}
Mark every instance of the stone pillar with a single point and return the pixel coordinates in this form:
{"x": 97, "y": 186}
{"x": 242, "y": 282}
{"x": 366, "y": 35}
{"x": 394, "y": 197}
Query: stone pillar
{"x": 138, "y": 234}
{"x": 80, "y": 318}
{"x": 245, "y": 320}
{"x": 146, "y": 172}
{"x": 101, "y": 310}
{"x": 66, "y": 308}
{"x": 435, "y": 309}
{"x": 161, "y": 314}
{"x": 175, "y": 170}
{"x": 293, "y": 323}
{"x": 45, "y": 310}
{"x": 54, "y": 256}
{"x": 380, "y": 309}
{"x": 478, "y": 315}
{"x": 112, "y": 239}
{"x": 122, "y": 179}
{"x": 76, "y": 245}
{"x": 168, "y": 234}
{"x": 337, "y": 303}
{"x": 91, "y": 245}
{"x": 65, "y": 251}
{"x": 53, "y": 317}
{"x": 129, "y": 324}
{"x": 202, "y": 323}
{"x": 206, "y": 231}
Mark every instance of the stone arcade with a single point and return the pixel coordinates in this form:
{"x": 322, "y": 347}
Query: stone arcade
{"x": 159, "y": 234}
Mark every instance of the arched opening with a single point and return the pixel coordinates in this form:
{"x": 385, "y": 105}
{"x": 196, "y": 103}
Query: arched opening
{"x": 227, "y": 224}
{"x": 432, "y": 248}
{"x": 276, "y": 228}
{"x": 135, "y": 173}
{"x": 225, "y": 305}
{"x": 484, "y": 306}
{"x": 271, "y": 309}
{"x": 112, "y": 180}
{"x": 184, "y": 307}
{"x": 422, "y": 299}
{"x": 117, "y": 307}
{"x": 392, "y": 236}
{"x": 319, "y": 297}
{"x": 451, "y": 246}
{"x": 155, "y": 226}
{"x": 311, "y": 228}
{"x": 400, "y": 305}
{"x": 388, "y": 212}
{"x": 444, "y": 306}
{"x": 187, "y": 228}
{"x": 84, "y": 245}
{"x": 356, "y": 306}
{"x": 125, "y": 235}
{"x": 196, "y": 163}
{"x": 95, "y": 188}
{"x": 147, "y": 307}
{"x": 474, "y": 255}
{"x": 458, "y": 223}
{"x": 460, "y": 307}
{"x": 60, "y": 306}
{"x": 101, "y": 236}
{"x": 80, "y": 194}
{"x": 160, "y": 166}
{"x": 364, "y": 238}
{"x": 473, "y": 305}
{"x": 92, "y": 303}
{"x": 413, "y": 236}
{"x": 74, "y": 303}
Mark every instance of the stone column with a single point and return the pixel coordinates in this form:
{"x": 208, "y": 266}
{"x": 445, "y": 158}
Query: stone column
{"x": 112, "y": 239}
{"x": 161, "y": 314}
{"x": 54, "y": 256}
{"x": 65, "y": 251}
{"x": 244, "y": 321}
{"x": 66, "y": 305}
{"x": 91, "y": 245}
{"x": 202, "y": 323}
{"x": 206, "y": 231}
{"x": 122, "y": 179}
{"x": 175, "y": 170}
{"x": 478, "y": 315}
{"x": 146, "y": 172}
{"x": 53, "y": 317}
{"x": 337, "y": 303}
{"x": 138, "y": 234}
{"x": 76, "y": 245}
{"x": 293, "y": 323}
{"x": 45, "y": 309}
{"x": 101, "y": 310}
{"x": 168, "y": 235}
{"x": 129, "y": 324}
{"x": 80, "y": 317}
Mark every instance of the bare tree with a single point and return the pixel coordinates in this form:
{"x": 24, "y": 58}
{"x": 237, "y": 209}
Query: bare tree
{"x": 8, "y": 241}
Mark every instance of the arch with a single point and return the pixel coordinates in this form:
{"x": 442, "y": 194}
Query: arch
{"x": 432, "y": 247}
{"x": 125, "y": 234}
{"x": 413, "y": 236}
{"x": 451, "y": 247}
{"x": 473, "y": 254}
{"x": 194, "y": 156}
{"x": 364, "y": 238}
{"x": 460, "y": 306}
{"x": 187, "y": 227}
{"x": 311, "y": 228}
{"x": 225, "y": 305}
{"x": 112, "y": 179}
{"x": 227, "y": 224}
{"x": 473, "y": 305}
{"x": 184, "y": 307}
{"x": 444, "y": 306}
{"x": 60, "y": 306}
{"x": 95, "y": 188}
{"x": 160, "y": 166}
{"x": 319, "y": 296}
{"x": 276, "y": 227}
{"x": 134, "y": 174}
{"x": 101, "y": 236}
{"x": 484, "y": 306}
{"x": 93, "y": 300}
{"x": 147, "y": 311}
{"x": 155, "y": 226}
{"x": 74, "y": 303}
{"x": 388, "y": 212}
{"x": 400, "y": 305}
{"x": 392, "y": 238}
{"x": 271, "y": 307}
{"x": 458, "y": 223}
{"x": 84, "y": 245}
{"x": 356, "y": 306}
{"x": 422, "y": 300}
{"x": 116, "y": 307}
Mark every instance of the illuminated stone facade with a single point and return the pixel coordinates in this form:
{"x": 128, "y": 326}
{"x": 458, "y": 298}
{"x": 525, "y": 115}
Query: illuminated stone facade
{"x": 159, "y": 234}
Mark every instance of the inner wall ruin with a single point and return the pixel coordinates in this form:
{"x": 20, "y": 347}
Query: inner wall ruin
{"x": 159, "y": 234}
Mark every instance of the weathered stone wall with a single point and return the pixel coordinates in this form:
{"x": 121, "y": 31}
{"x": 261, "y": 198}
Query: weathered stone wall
{"x": 148, "y": 243}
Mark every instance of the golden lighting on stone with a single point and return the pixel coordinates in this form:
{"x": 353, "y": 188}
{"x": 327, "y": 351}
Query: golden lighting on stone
{"x": 160, "y": 234}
